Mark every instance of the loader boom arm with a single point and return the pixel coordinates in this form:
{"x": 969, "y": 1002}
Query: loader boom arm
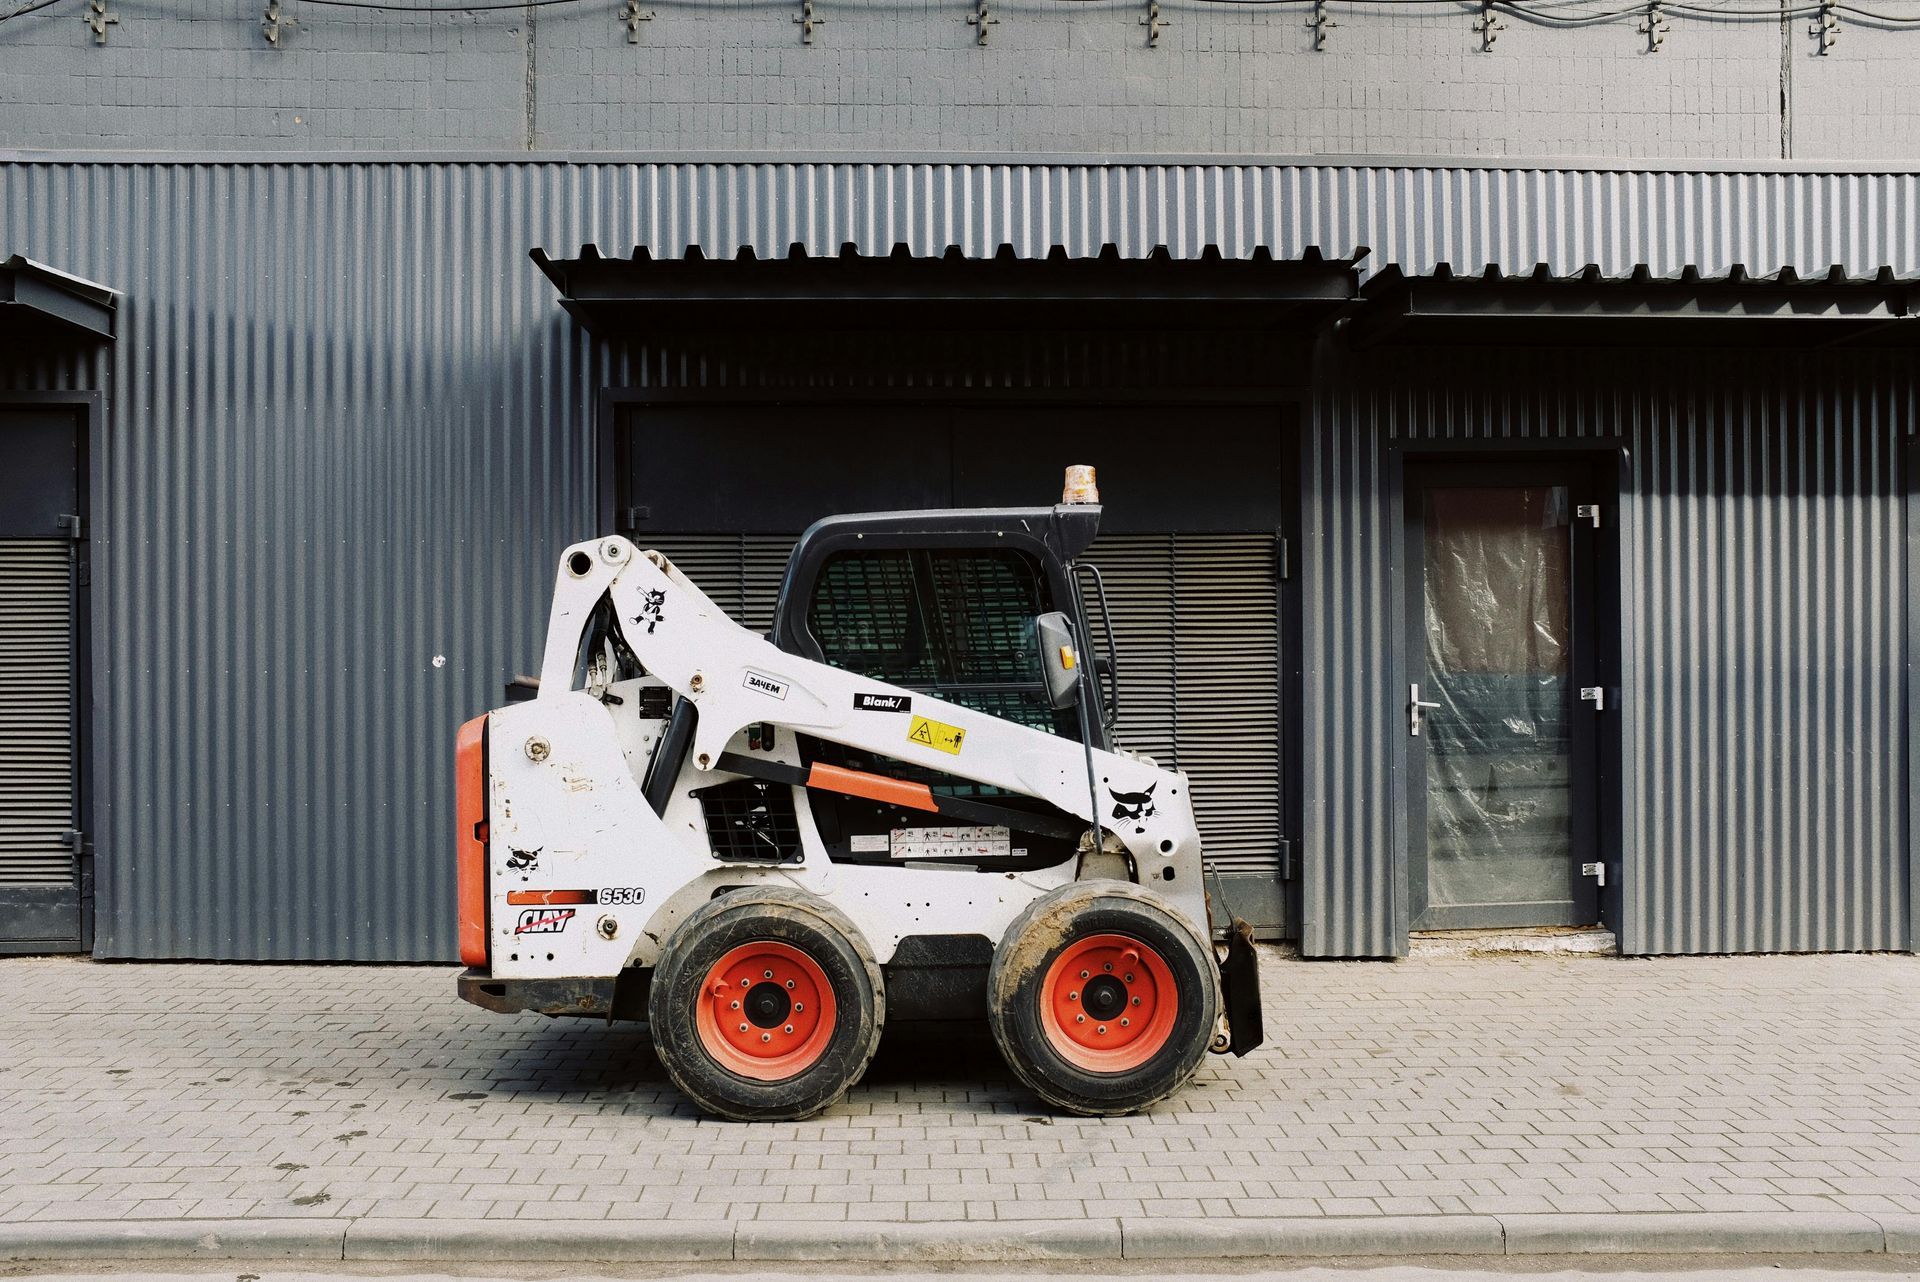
{"x": 735, "y": 679}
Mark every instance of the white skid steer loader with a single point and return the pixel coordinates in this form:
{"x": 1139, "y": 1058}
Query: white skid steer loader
{"x": 901, "y": 803}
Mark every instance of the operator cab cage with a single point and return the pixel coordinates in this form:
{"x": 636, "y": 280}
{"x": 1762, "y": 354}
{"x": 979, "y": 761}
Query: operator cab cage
{"x": 944, "y": 601}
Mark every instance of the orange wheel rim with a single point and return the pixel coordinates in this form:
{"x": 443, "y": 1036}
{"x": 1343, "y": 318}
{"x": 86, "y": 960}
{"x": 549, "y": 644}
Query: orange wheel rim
{"x": 1108, "y": 1003}
{"x": 766, "y": 1011}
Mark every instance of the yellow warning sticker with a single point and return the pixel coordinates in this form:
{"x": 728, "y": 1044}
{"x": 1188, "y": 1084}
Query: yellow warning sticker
{"x": 936, "y": 734}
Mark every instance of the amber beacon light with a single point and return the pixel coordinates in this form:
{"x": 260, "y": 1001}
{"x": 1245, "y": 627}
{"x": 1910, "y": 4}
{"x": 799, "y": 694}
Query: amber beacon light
{"x": 1081, "y": 486}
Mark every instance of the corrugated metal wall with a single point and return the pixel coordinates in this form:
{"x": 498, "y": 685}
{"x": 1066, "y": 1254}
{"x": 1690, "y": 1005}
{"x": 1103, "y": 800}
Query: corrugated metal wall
{"x": 1763, "y": 564}
{"x": 347, "y": 424}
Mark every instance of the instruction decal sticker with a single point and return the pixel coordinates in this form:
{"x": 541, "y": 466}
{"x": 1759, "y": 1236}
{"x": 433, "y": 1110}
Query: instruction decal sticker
{"x": 653, "y": 609}
{"x": 1134, "y": 807}
{"x": 544, "y": 921}
{"x": 936, "y": 734}
{"x": 765, "y": 684}
{"x": 864, "y": 702}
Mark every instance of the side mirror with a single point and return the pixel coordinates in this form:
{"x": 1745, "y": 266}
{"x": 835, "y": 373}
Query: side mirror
{"x": 1058, "y": 658}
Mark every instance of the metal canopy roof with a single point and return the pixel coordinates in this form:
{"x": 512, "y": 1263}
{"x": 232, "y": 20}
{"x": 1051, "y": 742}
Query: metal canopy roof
{"x": 1591, "y": 308}
{"x": 38, "y": 302}
{"x": 952, "y": 290}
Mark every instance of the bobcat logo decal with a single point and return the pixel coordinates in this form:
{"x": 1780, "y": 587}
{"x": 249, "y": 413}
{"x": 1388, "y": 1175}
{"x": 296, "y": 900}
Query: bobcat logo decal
{"x": 1134, "y": 807}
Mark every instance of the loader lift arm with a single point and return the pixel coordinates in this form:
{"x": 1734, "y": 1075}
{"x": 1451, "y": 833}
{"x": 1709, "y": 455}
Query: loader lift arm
{"x": 734, "y": 678}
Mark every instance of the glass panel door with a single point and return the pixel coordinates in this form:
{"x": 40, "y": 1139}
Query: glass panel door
{"x": 1500, "y": 807}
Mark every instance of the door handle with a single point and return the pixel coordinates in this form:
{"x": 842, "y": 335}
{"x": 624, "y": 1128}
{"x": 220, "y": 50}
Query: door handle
{"x": 1416, "y": 706}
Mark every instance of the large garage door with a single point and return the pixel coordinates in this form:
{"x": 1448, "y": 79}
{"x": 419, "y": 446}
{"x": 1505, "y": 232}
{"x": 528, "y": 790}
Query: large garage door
{"x": 40, "y": 889}
{"x": 1195, "y": 607}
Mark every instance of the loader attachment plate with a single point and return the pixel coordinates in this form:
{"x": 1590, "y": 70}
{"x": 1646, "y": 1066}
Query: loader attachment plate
{"x": 1240, "y": 990}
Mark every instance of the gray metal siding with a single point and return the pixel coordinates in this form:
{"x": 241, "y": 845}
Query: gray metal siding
{"x": 1762, "y": 549}
{"x": 347, "y": 425}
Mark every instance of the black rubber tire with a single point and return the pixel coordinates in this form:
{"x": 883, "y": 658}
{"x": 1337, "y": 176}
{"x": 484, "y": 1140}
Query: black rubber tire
{"x": 792, "y": 917}
{"x": 1040, "y": 934}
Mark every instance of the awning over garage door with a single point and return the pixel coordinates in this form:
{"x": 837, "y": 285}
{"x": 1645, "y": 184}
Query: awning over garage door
{"x": 851, "y": 290}
{"x": 1591, "y": 308}
{"x": 40, "y": 303}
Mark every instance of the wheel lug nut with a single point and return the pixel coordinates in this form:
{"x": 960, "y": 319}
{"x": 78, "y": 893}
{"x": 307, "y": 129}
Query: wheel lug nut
{"x": 1101, "y": 1029}
{"x": 1084, "y": 974}
{"x": 1125, "y": 1022}
{"x": 789, "y": 1030}
{"x": 743, "y": 1028}
{"x": 736, "y": 1005}
{"x": 766, "y": 1037}
{"x": 789, "y": 983}
{"x": 1129, "y": 977}
{"x": 766, "y": 974}
{"x": 1108, "y": 966}
{"x": 1073, "y": 997}
{"x": 1136, "y": 1001}
{"x": 1079, "y": 1019}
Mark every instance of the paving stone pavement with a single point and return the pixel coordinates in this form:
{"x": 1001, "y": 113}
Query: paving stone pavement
{"x": 1480, "y": 1085}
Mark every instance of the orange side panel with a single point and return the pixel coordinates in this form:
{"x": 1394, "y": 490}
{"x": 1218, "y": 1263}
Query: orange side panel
{"x": 470, "y": 838}
{"x": 858, "y": 783}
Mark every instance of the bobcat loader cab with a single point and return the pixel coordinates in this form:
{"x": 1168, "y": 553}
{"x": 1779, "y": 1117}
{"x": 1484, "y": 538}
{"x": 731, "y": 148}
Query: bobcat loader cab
{"x": 904, "y": 802}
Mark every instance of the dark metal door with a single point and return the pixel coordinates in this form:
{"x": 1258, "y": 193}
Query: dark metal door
{"x": 1503, "y": 697}
{"x": 40, "y": 875}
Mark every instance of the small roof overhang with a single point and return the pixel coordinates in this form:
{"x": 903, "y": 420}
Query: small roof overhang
{"x": 38, "y": 302}
{"x": 1588, "y": 308}
{"x": 642, "y": 294}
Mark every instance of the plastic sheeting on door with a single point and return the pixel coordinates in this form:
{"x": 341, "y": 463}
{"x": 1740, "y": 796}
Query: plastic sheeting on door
{"x": 1499, "y": 632}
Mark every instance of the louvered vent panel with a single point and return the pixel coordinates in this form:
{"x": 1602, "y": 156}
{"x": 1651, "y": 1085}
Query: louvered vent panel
{"x": 1138, "y": 572}
{"x": 36, "y": 712}
{"x": 1227, "y": 656}
{"x": 1196, "y": 622}
{"x": 741, "y": 572}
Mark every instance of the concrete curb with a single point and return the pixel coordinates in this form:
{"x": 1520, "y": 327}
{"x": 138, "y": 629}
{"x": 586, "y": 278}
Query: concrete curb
{"x": 315, "y": 1239}
{"x": 1133, "y": 1238}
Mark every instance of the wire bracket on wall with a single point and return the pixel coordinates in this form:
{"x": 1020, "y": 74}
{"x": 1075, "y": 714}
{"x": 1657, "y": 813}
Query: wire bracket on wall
{"x": 807, "y": 21}
{"x": 980, "y": 19}
{"x": 631, "y": 16}
{"x": 274, "y": 23}
{"x": 1320, "y": 24}
{"x": 98, "y": 20}
{"x": 1826, "y": 27}
{"x": 1489, "y": 26}
{"x": 1654, "y": 26}
{"x": 1154, "y": 24}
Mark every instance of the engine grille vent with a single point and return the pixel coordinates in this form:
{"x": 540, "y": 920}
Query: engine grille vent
{"x": 749, "y": 821}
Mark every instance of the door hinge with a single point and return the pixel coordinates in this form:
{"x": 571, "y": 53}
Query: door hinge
{"x": 76, "y": 840}
{"x": 1282, "y": 558}
{"x": 1596, "y": 695}
{"x": 74, "y": 527}
{"x": 1286, "y": 859}
{"x": 631, "y": 517}
{"x": 1589, "y": 512}
{"x": 1596, "y": 871}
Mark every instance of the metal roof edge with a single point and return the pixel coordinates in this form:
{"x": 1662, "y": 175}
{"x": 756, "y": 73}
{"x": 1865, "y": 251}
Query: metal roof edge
{"x": 1042, "y": 160}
